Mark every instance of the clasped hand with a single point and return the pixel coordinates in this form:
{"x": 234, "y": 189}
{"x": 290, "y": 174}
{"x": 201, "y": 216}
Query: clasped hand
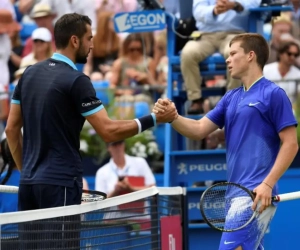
{"x": 165, "y": 111}
{"x": 263, "y": 194}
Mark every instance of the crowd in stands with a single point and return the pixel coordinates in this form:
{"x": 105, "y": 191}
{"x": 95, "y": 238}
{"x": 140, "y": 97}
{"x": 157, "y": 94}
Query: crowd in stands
{"x": 130, "y": 60}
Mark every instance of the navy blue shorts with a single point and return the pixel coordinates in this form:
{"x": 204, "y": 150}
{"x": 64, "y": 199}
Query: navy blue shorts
{"x": 61, "y": 232}
{"x": 39, "y": 196}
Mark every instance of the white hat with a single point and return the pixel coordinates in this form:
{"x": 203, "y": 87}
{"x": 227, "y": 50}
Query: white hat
{"x": 41, "y": 34}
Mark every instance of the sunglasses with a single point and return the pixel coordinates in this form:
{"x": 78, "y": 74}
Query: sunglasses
{"x": 135, "y": 49}
{"x": 292, "y": 54}
{"x": 38, "y": 41}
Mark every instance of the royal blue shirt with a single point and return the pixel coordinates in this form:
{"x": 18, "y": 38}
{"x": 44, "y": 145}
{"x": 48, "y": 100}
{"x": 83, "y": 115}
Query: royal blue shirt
{"x": 55, "y": 98}
{"x": 252, "y": 121}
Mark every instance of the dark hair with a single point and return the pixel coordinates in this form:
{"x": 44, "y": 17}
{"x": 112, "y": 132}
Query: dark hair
{"x": 254, "y": 42}
{"x": 7, "y": 160}
{"x": 70, "y": 25}
{"x": 285, "y": 46}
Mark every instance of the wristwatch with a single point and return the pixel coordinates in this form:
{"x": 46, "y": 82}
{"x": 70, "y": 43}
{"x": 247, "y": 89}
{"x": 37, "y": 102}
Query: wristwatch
{"x": 238, "y": 7}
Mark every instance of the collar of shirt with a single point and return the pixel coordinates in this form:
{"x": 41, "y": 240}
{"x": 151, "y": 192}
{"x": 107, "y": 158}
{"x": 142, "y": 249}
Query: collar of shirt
{"x": 117, "y": 170}
{"x": 245, "y": 90}
{"x": 60, "y": 57}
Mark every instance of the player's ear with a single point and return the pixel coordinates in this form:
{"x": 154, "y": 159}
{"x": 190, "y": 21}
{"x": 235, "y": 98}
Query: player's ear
{"x": 251, "y": 56}
{"x": 75, "y": 41}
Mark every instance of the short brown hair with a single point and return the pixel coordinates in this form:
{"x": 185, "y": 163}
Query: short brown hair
{"x": 254, "y": 42}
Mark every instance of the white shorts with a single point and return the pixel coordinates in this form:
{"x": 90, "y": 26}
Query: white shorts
{"x": 251, "y": 236}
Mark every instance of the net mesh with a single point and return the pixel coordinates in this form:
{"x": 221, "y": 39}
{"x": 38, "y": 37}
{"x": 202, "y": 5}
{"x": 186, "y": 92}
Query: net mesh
{"x": 226, "y": 207}
{"x": 119, "y": 225}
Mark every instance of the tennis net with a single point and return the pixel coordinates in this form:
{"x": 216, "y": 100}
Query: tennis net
{"x": 131, "y": 221}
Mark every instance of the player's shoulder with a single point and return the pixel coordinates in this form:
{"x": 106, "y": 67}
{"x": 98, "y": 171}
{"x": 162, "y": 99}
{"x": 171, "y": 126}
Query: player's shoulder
{"x": 270, "y": 88}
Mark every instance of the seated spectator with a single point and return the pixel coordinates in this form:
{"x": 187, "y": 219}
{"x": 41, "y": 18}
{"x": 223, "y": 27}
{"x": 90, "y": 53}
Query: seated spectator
{"x": 106, "y": 48}
{"x": 114, "y": 177}
{"x": 20, "y": 71}
{"x": 296, "y": 19}
{"x": 132, "y": 68}
{"x": 282, "y": 26}
{"x": 283, "y": 72}
{"x": 42, "y": 47}
{"x": 218, "y": 22}
{"x": 57, "y": 6}
{"x": 43, "y": 17}
{"x": 7, "y": 26}
{"x": 15, "y": 55}
{"x": 116, "y": 6}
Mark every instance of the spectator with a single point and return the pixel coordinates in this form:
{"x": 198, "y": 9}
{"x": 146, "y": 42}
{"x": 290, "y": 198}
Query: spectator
{"x": 116, "y": 6}
{"x": 15, "y": 55}
{"x": 112, "y": 177}
{"x": 20, "y": 71}
{"x": 43, "y": 17}
{"x": 219, "y": 21}
{"x": 132, "y": 68}
{"x": 296, "y": 19}
{"x": 283, "y": 71}
{"x": 42, "y": 48}
{"x": 7, "y": 26}
{"x": 57, "y": 6}
{"x": 282, "y": 27}
{"x": 106, "y": 48}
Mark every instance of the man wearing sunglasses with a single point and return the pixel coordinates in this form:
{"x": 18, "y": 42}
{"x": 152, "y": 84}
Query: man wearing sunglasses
{"x": 284, "y": 72}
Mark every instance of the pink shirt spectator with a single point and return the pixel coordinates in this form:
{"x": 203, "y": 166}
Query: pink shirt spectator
{"x": 117, "y": 5}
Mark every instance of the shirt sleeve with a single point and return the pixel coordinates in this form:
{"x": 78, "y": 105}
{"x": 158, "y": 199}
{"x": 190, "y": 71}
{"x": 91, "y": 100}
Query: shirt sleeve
{"x": 84, "y": 97}
{"x": 281, "y": 111}
{"x": 16, "y": 98}
{"x": 217, "y": 115}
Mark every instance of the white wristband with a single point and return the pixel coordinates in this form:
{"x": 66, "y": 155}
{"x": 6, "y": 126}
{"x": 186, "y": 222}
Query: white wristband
{"x": 139, "y": 125}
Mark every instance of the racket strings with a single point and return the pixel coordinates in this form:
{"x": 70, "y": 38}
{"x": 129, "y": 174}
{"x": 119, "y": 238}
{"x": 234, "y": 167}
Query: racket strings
{"x": 226, "y": 207}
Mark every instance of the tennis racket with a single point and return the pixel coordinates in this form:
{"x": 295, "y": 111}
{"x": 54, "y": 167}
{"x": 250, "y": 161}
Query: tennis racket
{"x": 226, "y": 206}
{"x": 87, "y": 195}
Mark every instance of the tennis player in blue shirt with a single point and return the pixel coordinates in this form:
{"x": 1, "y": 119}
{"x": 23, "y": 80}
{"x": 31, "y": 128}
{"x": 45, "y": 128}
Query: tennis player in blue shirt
{"x": 260, "y": 132}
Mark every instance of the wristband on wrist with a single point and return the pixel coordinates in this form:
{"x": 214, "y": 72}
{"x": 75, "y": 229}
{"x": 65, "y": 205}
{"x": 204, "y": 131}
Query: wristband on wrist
{"x": 146, "y": 122}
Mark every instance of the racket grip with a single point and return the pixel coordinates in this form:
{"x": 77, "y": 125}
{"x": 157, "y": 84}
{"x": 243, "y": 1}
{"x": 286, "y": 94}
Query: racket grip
{"x": 287, "y": 196}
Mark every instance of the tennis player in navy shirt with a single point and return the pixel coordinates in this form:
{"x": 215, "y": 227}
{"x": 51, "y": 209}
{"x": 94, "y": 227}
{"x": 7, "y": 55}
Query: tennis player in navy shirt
{"x": 52, "y": 101}
{"x": 260, "y": 133}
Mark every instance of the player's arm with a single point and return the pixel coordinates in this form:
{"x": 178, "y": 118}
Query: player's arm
{"x": 14, "y": 134}
{"x": 286, "y": 155}
{"x": 195, "y": 129}
{"x": 84, "y": 97}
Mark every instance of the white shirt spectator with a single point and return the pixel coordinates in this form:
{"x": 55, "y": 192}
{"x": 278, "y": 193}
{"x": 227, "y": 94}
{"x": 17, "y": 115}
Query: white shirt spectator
{"x": 272, "y": 73}
{"x": 108, "y": 175}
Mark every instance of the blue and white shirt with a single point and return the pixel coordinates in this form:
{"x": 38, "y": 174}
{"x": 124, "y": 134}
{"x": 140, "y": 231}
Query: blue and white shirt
{"x": 253, "y": 120}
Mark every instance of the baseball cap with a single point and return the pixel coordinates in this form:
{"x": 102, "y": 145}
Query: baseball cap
{"x": 41, "y": 34}
{"x": 41, "y": 10}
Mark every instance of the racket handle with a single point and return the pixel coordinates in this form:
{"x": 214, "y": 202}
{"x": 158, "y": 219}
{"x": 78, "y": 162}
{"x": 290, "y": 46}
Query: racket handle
{"x": 8, "y": 189}
{"x": 287, "y": 196}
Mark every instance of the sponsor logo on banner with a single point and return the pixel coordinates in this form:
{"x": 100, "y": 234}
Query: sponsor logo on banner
{"x": 143, "y": 21}
{"x": 206, "y": 205}
{"x": 184, "y": 169}
{"x": 172, "y": 242}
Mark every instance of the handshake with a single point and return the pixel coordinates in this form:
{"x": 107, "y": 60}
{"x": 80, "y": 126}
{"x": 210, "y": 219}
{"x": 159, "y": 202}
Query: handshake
{"x": 165, "y": 111}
